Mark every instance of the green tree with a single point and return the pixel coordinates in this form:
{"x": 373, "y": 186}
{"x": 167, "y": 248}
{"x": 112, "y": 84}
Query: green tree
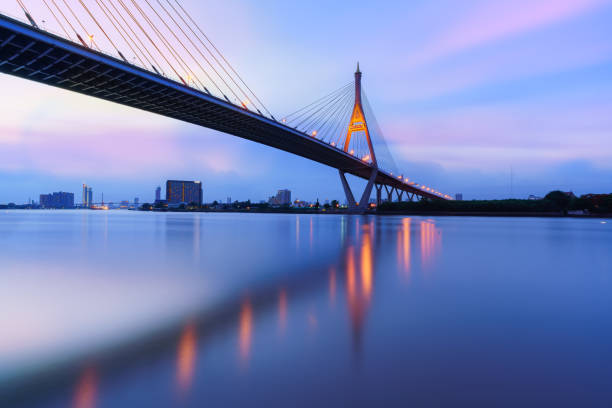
{"x": 561, "y": 199}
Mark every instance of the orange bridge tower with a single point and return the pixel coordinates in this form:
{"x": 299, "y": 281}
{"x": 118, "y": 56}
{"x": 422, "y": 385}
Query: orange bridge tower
{"x": 358, "y": 123}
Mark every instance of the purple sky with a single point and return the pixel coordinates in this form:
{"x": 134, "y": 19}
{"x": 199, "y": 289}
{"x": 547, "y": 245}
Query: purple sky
{"x": 464, "y": 94}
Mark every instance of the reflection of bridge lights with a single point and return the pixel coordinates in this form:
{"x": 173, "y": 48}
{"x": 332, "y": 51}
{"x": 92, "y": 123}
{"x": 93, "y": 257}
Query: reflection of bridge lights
{"x": 245, "y": 329}
{"x": 186, "y": 357}
{"x": 403, "y": 245}
{"x": 282, "y": 309}
{"x": 86, "y": 390}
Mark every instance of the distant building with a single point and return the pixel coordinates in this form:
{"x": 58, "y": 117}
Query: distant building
{"x": 136, "y": 201}
{"x": 158, "y": 194}
{"x": 533, "y": 197}
{"x": 282, "y": 197}
{"x": 180, "y": 191}
{"x": 57, "y": 200}
{"x": 229, "y": 200}
{"x": 87, "y": 196}
{"x": 459, "y": 197}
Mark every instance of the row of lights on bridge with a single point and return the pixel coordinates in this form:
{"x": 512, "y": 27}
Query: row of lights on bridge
{"x": 405, "y": 180}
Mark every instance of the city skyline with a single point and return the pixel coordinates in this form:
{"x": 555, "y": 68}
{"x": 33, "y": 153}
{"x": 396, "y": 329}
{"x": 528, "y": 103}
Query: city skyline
{"x": 463, "y": 108}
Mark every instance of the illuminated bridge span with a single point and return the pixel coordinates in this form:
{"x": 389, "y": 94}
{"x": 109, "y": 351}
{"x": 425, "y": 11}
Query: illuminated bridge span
{"x": 338, "y": 130}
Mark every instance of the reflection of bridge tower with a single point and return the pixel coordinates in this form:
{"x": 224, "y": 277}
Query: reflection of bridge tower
{"x": 358, "y": 123}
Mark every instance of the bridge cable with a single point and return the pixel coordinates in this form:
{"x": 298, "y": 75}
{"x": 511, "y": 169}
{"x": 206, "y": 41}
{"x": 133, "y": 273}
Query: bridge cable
{"x": 90, "y": 36}
{"x": 180, "y": 42}
{"x": 102, "y": 29}
{"x": 206, "y": 59}
{"x": 180, "y": 61}
{"x": 58, "y": 20}
{"x": 342, "y": 120}
{"x": 287, "y": 117}
{"x": 138, "y": 41}
{"x": 163, "y": 41}
{"x": 27, "y": 13}
{"x": 224, "y": 59}
{"x": 70, "y": 24}
{"x": 380, "y": 137}
{"x": 325, "y": 111}
{"x": 116, "y": 24}
{"x": 203, "y": 56}
{"x": 330, "y": 121}
{"x": 297, "y": 121}
{"x": 316, "y": 111}
{"x": 318, "y": 123}
{"x": 190, "y": 73}
{"x": 131, "y": 15}
{"x": 149, "y": 38}
{"x": 333, "y": 118}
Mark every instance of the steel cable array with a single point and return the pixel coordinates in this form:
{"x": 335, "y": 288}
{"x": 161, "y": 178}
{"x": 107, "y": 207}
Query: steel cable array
{"x": 328, "y": 118}
{"x": 164, "y": 38}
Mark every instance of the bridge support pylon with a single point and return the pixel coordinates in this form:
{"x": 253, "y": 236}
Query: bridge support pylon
{"x": 362, "y": 205}
{"x": 358, "y": 123}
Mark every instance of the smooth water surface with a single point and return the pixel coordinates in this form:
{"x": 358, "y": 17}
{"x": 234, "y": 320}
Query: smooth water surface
{"x": 130, "y": 309}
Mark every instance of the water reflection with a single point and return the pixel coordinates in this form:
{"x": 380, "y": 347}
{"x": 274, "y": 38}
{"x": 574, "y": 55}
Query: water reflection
{"x": 86, "y": 391}
{"x": 430, "y": 240}
{"x": 186, "y": 357}
{"x": 358, "y": 294}
{"x": 245, "y": 330}
{"x": 403, "y": 246}
{"x": 282, "y": 310}
{"x": 332, "y": 285}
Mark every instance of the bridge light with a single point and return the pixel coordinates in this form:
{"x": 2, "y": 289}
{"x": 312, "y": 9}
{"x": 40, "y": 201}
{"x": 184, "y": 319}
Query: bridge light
{"x": 284, "y": 120}
{"x": 366, "y": 157}
{"x": 333, "y": 144}
{"x": 352, "y": 152}
{"x": 314, "y": 133}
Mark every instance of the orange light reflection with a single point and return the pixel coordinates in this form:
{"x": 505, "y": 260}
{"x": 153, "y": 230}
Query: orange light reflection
{"x": 245, "y": 329}
{"x": 282, "y": 310}
{"x": 186, "y": 357}
{"x": 86, "y": 393}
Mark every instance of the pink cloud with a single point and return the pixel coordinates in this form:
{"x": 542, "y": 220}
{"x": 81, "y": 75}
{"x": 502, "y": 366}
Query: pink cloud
{"x": 496, "y": 20}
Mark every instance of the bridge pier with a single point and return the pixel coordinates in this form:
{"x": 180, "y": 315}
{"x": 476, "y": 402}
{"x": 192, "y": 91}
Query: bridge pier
{"x": 389, "y": 194}
{"x": 400, "y": 195}
{"x": 361, "y": 206}
{"x": 378, "y": 194}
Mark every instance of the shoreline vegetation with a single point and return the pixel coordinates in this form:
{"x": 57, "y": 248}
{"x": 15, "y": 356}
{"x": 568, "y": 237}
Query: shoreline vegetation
{"x": 554, "y": 204}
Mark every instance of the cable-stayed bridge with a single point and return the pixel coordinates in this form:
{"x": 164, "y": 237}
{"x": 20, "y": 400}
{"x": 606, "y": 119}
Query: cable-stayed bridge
{"x": 164, "y": 63}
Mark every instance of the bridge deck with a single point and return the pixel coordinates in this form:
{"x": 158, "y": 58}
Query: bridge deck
{"x": 39, "y": 56}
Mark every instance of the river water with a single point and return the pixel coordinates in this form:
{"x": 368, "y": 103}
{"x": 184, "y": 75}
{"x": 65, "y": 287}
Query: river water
{"x": 130, "y": 309}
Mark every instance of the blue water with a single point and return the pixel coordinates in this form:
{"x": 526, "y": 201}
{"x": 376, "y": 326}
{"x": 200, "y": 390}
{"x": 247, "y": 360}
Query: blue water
{"x": 130, "y": 309}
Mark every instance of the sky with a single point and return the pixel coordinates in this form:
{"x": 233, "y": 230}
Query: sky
{"x": 489, "y": 99}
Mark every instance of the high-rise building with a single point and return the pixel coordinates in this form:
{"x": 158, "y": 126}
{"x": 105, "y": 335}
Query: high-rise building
{"x": 57, "y": 200}
{"x": 282, "y": 197}
{"x": 158, "y": 194}
{"x": 459, "y": 197}
{"x": 85, "y": 197}
{"x": 180, "y": 191}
